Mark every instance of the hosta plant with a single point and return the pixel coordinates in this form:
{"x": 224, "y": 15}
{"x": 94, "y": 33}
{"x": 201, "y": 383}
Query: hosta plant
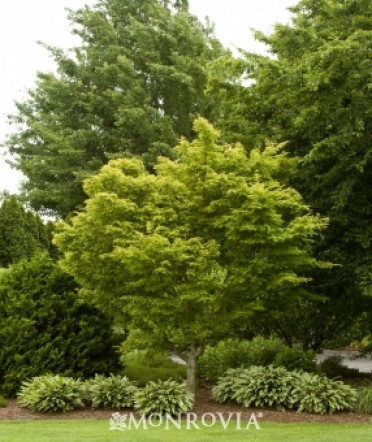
{"x": 275, "y": 387}
{"x": 51, "y": 393}
{"x": 112, "y": 392}
{"x": 258, "y": 386}
{"x": 318, "y": 394}
{"x": 163, "y": 397}
{"x": 225, "y": 388}
{"x": 266, "y": 387}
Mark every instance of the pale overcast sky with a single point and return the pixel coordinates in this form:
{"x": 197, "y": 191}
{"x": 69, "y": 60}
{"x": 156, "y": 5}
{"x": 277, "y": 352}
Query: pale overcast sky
{"x": 23, "y": 23}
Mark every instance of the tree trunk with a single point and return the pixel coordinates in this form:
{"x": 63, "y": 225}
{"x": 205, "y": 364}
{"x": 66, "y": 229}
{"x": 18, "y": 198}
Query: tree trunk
{"x": 192, "y": 368}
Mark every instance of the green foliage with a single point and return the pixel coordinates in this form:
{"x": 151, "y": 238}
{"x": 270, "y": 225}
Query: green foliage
{"x": 51, "y": 393}
{"x": 2, "y": 401}
{"x": 132, "y": 87}
{"x": 314, "y": 93}
{"x": 364, "y": 401}
{"x": 112, "y": 392}
{"x": 332, "y": 367}
{"x": 145, "y": 366}
{"x": 150, "y": 358}
{"x": 264, "y": 351}
{"x": 45, "y": 327}
{"x": 22, "y": 233}
{"x": 215, "y": 360}
{"x": 142, "y": 375}
{"x": 260, "y": 386}
{"x": 296, "y": 359}
{"x": 139, "y": 248}
{"x": 234, "y": 353}
{"x": 224, "y": 390}
{"x": 276, "y": 387}
{"x": 318, "y": 394}
{"x": 163, "y": 397}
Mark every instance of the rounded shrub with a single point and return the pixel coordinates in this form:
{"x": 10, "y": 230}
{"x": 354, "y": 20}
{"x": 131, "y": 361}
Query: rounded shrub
{"x": 46, "y": 328}
{"x": 265, "y": 350}
{"x": 234, "y": 353}
{"x": 318, "y": 394}
{"x": 276, "y": 387}
{"x": 296, "y": 359}
{"x": 163, "y": 397}
{"x": 266, "y": 387}
{"x": 224, "y": 390}
{"x": 51, "y": 393}
{"x": 258, "y": 386}
{"x": 112, "y": 392}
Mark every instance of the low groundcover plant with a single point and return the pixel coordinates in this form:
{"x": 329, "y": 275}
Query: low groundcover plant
{"x": 276, "y": 387}
{"x": 163, "y": 397}
{"x": 51, "y": 393}
{"x": 112, "y": 392}
{"x": 258, "y": 386}
{"x": 318, "y": 394}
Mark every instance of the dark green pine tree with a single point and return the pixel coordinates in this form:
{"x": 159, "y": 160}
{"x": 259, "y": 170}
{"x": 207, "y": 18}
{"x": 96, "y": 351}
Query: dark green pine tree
{"x": 22, "y": 233}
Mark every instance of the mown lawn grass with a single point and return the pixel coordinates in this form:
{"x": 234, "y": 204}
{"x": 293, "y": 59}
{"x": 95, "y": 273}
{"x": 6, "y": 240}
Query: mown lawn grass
{"x": 98, "y": 431}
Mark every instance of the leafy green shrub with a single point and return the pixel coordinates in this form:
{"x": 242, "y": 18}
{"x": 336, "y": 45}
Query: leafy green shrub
{"x": 296, "y": 359}
{"x": 144, "y": 366}
{"x": 364, "y": 401}
{"x": 234, "y": 353}
{"x": 332, "y": 368}
{"x": 265, "y": 350}
{"x": 276, "y": 387}
{"x": 267, "y": 387}
{"x": 224, "y": 390}
{"x": 318, "y": 394}
{"x": 2, "y": 402}
{"x": 112, "y": 392}
{"x": 230, "y": 353}
{"x": 142, "y": 375}
{"x": 260, "y": 386}
{"x": 163, "y": 397}
{"x": 45, "y": 327}
{"x": 51, "y": 393}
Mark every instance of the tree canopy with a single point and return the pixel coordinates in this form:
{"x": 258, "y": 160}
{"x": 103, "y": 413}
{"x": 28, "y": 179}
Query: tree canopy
{"x": 132, "y": 87}
{"x": 313, "y": 91}
{"x": 197, "y": 247}
{"x": 208, "y": 222}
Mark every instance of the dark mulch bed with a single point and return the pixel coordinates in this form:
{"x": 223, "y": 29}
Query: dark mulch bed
{"x": 204, "y": 404}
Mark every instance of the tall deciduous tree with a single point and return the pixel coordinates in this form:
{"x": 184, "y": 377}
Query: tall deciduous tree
{"x": 132, "y": 87}
{"x": 194, "y": 249}
{"x": 314, "y": 91}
